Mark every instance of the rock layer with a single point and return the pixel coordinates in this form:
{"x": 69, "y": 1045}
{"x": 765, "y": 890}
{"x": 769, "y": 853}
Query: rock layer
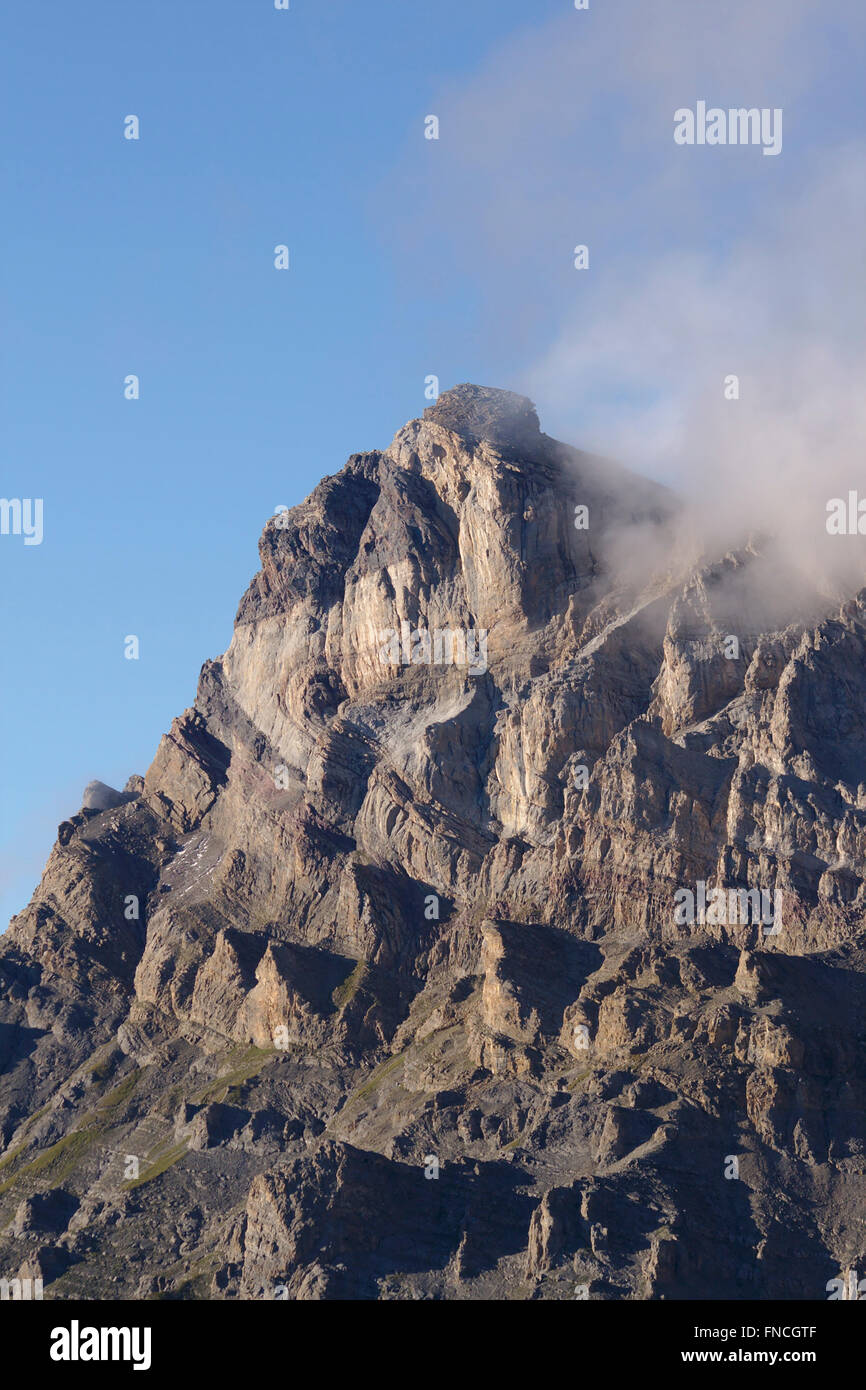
{"x": 405, "y": 972}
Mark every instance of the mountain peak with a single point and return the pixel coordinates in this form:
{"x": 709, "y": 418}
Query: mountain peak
{"x": 499, "y": 838}
{"x": 486, "y": 412}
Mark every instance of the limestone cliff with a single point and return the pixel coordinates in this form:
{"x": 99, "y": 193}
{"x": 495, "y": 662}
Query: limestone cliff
{"x": 432, "y": 955}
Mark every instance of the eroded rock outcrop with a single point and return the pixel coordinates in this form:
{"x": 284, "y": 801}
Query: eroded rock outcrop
{"x": 430, "y": 957}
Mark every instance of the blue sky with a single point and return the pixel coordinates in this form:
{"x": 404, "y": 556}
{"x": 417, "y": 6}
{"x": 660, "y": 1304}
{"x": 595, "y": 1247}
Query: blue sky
{"x": 155, "y": 257}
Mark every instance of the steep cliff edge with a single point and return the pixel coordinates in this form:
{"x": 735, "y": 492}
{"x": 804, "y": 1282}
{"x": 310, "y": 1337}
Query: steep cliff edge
{"x": 492, "y": 925}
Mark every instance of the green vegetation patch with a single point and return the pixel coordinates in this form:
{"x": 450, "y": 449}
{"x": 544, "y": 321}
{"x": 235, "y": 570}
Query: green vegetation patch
{"x": 368, "y": 1087}
{"x": 60, "y": 1160}
{"x": 196, "y": 1282}
{"x": 345, "y": 993}
{"x": 161, "y": 1163}
{"x": 11, "y": 1156}
{"x": 243, "y": 1064}
{"x": 103, "y": 1069}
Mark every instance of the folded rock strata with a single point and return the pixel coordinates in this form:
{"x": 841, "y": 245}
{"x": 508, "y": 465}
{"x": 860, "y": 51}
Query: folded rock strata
{"x": 373, "y": 986}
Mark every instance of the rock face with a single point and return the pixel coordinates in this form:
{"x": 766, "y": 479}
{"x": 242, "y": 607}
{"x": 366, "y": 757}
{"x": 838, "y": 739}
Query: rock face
{"x": 492, "y": 925}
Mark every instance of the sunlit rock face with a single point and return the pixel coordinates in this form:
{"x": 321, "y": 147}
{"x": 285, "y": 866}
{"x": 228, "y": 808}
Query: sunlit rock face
{"x": 456, "y": 874}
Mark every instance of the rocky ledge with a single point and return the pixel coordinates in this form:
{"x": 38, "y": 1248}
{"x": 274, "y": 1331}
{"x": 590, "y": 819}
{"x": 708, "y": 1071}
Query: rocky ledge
{"x": 492, "y": 925}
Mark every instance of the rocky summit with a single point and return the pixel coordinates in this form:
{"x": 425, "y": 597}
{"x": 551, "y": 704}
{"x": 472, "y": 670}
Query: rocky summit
{"x": 490, "y": 927}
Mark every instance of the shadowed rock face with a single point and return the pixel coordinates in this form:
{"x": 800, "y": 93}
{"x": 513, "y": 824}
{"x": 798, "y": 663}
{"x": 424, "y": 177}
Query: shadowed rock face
{"x": 401, "y": 974}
